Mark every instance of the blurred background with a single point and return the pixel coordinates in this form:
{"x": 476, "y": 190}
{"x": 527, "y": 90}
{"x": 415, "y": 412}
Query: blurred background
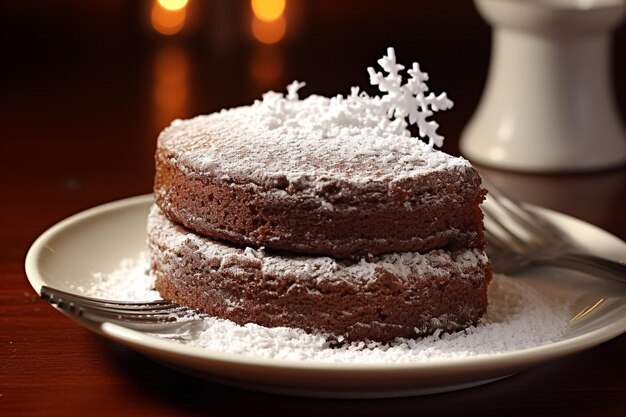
{"x": 85, "y": 88}
{"x": 89, "y": 84}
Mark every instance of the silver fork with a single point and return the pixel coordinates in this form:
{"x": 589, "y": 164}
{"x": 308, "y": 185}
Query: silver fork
{"x": 518, "y": 238}
{"x": 157, "y": 315}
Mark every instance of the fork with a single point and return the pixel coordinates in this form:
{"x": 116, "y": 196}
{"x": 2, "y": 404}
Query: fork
{"x": 518, "y": 238}
{"x": 142, "y": 315}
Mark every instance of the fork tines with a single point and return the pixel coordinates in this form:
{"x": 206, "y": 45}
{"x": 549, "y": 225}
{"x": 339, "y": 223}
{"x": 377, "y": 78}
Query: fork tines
{"x": 148, "y": 312}
{"x": 511, "y": 225}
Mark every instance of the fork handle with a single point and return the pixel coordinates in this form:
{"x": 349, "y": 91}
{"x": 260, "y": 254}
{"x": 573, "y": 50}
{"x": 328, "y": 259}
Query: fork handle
{"x": 593, "y": 265}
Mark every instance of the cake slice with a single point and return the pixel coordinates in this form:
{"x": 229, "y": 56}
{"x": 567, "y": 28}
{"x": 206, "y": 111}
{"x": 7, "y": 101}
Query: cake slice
{"x": 229, "y": 177}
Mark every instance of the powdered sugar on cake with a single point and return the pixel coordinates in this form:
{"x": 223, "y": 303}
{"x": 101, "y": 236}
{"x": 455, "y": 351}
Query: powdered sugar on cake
{"x": 356, "y": 138}
{"x": 403, "y": 265}
{"x": 518, "y": 317}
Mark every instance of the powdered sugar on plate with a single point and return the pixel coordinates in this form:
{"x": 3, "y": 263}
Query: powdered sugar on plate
{"x": 518, "y": 317}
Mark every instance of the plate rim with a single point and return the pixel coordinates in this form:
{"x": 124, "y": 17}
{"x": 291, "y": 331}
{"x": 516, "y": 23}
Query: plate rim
{"x": 523, "y": 358}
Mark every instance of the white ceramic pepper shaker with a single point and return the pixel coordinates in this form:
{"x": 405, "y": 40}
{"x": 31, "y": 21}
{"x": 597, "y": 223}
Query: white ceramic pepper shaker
{"x": 548, "y": 104}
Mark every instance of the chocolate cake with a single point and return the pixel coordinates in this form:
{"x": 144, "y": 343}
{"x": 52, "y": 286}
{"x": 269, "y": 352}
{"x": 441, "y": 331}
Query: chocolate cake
{"x": 322, "y": 213}
{"x": 229, "y": 177}
{"x": 380, "y": 298}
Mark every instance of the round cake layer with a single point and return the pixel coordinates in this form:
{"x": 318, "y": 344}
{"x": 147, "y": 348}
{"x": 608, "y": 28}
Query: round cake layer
{"x": 380, "y": 298}
{"x": 233, "y": 177}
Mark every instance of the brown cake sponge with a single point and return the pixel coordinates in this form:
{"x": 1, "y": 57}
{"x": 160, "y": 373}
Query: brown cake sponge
{"x": 378, "y": 298}
{"x": 229, "y": 177}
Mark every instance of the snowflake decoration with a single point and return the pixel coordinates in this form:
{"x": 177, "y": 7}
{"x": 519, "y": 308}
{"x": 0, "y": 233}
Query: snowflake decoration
{"x": 391, "y": 114}
{"x": 409, "y": 100}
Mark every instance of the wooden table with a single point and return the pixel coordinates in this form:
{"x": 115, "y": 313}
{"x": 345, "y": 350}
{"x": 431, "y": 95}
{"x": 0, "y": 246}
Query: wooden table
{"x": 79, "y": 122}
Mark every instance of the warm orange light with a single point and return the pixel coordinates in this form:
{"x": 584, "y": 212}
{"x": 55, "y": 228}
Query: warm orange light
{"x": 268, "y": 10}
{"x": 167, "y": 22}
{"x": 173, "y": 5}
{"x": 266, "y": 65}
{"x": 171, "y": 66}
{"x": 269, "y": 32}
{"x": 171, "y": 69}
{"x": 168, "y": 98}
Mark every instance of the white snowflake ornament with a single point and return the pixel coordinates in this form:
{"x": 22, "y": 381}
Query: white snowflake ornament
{"x": 391, "y": 114}
{"x": 408, "y": 100}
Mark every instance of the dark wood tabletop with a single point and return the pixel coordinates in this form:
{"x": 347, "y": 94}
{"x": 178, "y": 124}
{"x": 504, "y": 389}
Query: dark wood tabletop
{"x": 87, "y": 86}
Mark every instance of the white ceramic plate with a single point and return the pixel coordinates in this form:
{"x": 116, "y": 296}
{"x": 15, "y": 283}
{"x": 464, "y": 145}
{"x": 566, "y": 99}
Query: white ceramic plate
{"x": 67, "y": 255}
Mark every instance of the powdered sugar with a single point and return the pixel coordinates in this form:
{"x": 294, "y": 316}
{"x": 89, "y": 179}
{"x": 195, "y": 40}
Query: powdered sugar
{"x": 236, "y": 144}
{"x": 518, "y": 317}
{"x": 355, "y": 138}
{"x": 131, "y": 281}
{"x": 173, "y": 242}
{"x": 384, "y": 116}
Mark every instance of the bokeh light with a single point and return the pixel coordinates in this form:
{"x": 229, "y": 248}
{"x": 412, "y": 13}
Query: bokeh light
{"x": 171, "y": 84}
{"x": 173, "y": 5}
{"x": 269, "y": 32}
{"x": 266, "y": 65}
{"x": 168, "y": 21}
{"x": 268, "y": 10}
